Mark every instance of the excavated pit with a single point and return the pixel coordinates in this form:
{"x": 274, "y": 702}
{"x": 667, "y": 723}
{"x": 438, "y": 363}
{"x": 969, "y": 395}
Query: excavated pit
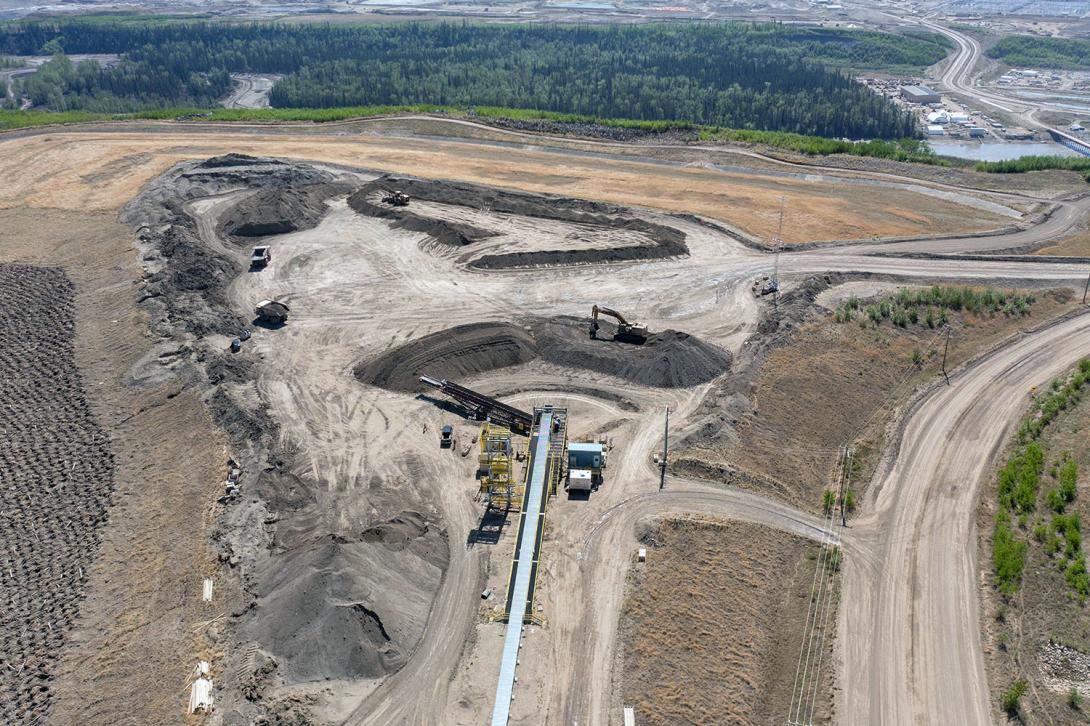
{"x": 669, "y": 359}
{"x": 652, "y": 241}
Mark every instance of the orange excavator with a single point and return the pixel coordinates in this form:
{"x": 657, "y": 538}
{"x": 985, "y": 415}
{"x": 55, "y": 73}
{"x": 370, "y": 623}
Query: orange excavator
{"x": 626, "y": 332}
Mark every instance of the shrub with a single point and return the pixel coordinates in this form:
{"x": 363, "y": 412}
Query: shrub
{"x": 1008, "y": 555}
{"x": 1074, "y": 698}
{"x": 1012, "y": 696}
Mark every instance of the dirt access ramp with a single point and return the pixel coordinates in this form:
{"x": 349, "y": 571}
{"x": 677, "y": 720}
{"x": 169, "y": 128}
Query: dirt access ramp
{"x": 624, "y": 237}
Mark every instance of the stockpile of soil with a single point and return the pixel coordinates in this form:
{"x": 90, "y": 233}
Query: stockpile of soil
{"x": 279, "y": 210}
{"x": 669, "y": 359}
{"x": 321, "y": 615}
{"x": 666, "y": 241}
{"x": 56, "y": 477}
{"x": 455, "y": 353}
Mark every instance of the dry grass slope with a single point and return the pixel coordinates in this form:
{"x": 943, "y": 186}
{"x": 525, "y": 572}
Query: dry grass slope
{"x": 712, "y": 624}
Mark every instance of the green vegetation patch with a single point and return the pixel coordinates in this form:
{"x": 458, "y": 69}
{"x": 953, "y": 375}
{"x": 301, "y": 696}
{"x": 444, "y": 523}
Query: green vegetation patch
{"x": 930, "y": 307}
{"x": 736, "y": 76}
{"x": 1037, "y": 163}
{"x": 1032, "y": 50}
{"x": 1019, "y": 495}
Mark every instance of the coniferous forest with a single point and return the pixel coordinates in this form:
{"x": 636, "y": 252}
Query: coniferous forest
{"x": 732, "y": 75}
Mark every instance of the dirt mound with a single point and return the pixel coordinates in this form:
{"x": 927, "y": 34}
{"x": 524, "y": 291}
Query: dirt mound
{"x": 454, "y": 353}
{"x": 279, "y": 210}
{"x": 57, "y": 478}
{"x": 665, "y": 241}
{"x": 321, "y": 616}
{"x": 669, "y": 359}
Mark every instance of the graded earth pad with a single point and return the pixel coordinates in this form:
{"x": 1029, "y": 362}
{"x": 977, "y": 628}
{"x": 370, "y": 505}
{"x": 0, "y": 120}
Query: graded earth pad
{"x": 669, "y": 359}
{"x": 56, "y": 479}
{"x": 632, "y": 239}
{"x": 713, "y": 623}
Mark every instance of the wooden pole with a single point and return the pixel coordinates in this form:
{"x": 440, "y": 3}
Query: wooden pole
{"x": 665, "y": 450}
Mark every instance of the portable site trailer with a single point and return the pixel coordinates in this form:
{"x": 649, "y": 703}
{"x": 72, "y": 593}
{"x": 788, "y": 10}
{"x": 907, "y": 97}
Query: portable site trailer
{"x": 585, "y": 463}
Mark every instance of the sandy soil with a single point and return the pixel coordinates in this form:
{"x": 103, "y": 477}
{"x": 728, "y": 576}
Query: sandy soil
{"x": 712, "y": 624}
{"x": 136, "y": 628}
{"x": 100, "y": 170}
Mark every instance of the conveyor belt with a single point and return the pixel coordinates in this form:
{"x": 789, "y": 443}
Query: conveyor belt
{"x": 525, "y": 568}
{"x": 497, "y": 411}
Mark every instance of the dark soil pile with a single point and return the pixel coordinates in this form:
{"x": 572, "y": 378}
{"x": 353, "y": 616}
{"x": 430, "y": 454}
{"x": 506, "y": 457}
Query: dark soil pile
{"x": 56, "y": 478}
{"x": 666, "y": 242}
{"x": 669, "y": 359}
{"x": 279, "y": 210}
{"x": 455, "y": 353}
{"x": 321, "y": 615}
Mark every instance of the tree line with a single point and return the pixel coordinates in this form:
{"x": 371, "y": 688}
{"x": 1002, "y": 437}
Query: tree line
{"x": 745, "y": 76}
{"x": 1029, "y": 50}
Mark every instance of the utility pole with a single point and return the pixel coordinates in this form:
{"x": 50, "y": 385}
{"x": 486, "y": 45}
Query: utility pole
{"x": 1085, "y": 289}
{"x": 665, "y": 451}
{"x": 776, "y": 262}
{"x": 945, "y": 349}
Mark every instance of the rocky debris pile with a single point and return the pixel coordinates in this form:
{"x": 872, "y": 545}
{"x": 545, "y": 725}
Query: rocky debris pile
{"x": 669, "y": 359}
{"x": 56, "y": 479}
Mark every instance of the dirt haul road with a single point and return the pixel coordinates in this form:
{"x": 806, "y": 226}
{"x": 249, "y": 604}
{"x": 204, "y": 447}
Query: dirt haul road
{"x": 345, "y": 287}
{"x": 909, "y": 635}
{"x": 356, "y": 285}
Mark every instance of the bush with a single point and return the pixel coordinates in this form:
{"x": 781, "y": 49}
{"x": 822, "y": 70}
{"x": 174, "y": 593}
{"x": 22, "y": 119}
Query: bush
{"x": 1008, "y": 555}
{"x": 1012, "y": 697}
{"x": 1074, "y": 698}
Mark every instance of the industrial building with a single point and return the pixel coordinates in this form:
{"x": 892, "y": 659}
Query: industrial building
{"x": 920, "y": 94}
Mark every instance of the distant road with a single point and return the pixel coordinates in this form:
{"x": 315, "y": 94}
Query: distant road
{"x": 250, "y": 91}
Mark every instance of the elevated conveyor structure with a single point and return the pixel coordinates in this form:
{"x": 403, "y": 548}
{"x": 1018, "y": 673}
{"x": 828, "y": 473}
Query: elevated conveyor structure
{"x": 548, "y": 449}
{"x": 484, "y": 406}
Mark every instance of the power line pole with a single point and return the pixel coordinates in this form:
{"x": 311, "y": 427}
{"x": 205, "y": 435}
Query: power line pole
{"x": 1085, "y": 289}
{"x": 945, "y": 349}
{"x": 665, "y": 450}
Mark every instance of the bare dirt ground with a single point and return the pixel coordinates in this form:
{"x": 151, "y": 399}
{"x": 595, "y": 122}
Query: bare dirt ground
{"x": 713, "y": 623}
{"x": 826, "y": 384}
{"x": 354, "y": 561}
{"x": 134, "y": 633}
{"x": 57, "y": 480}
{"x": 96, "y": 170}
{"x": 1043, "y": 633}
{"x": 1077, "y": 245}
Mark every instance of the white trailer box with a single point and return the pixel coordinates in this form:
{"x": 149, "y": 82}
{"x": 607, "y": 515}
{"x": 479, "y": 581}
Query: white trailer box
{"x": 580, "y": 480}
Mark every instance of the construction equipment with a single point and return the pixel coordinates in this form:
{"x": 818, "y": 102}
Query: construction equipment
{"x": 626, "y": 332}
{"x": 446, "y": 437}
{"x": 272, "y": 311}
{"x": 396, "y": 199}
{"x": 495, "y": 466}
{"x": 260, "y": 257}
{"x": 484, "y": 407}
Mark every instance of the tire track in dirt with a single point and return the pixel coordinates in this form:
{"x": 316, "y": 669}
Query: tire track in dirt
{"x": 56, "y": 479}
